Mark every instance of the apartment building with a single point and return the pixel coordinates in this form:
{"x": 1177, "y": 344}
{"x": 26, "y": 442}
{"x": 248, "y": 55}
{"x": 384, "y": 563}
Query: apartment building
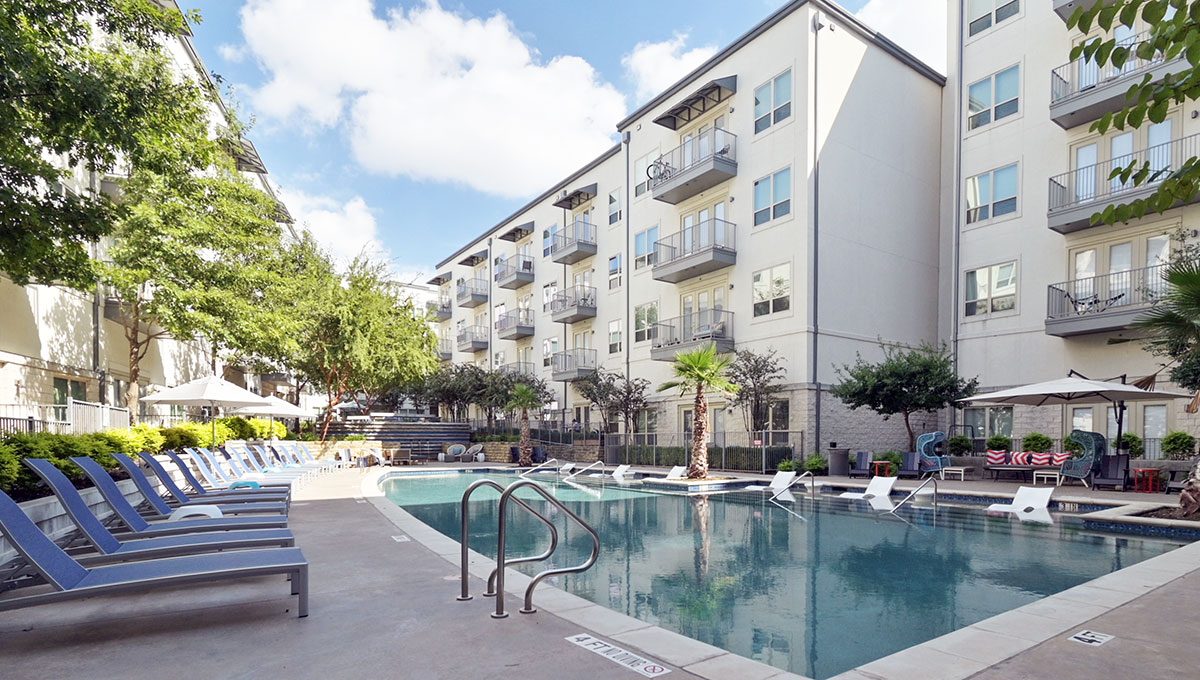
{"x": 783, "y": 195}
{"x": 1035, "y": 289}
{"x": 58, "y": 344}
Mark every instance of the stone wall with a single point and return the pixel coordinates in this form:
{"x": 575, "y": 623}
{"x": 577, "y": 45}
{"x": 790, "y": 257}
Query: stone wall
{"x": 326, "y": 449}
{"x": 50, "y": 517}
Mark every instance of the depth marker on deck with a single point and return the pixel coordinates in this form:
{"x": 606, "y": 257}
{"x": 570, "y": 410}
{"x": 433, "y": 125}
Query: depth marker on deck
{"x": 635, "y": 663}
{"x": 401, "y": 538}
{"x": 1091, "y": 638}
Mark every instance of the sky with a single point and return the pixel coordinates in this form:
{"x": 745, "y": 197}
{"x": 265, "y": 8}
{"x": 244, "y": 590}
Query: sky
{"x": 383, "y": 122}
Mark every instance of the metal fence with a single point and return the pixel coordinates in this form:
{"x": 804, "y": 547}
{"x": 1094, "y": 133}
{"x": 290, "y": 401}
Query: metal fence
{"x": 1107, "y": 292}
{"x": 734, "y": 451}
{"x": 1084, "y": 74}
{"x": 73, "y": 417}
{"x": 694, "y": 150}
{"x": 709, "y": 234}
{"x": 1151, "y": 447}
{"x": 1091, "y": 183}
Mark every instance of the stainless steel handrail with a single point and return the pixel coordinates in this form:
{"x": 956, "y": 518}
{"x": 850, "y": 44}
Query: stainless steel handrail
{"x": 538, "y": 467}
{"x": 466, "y": 533}
{"x": 501, "y": 563}
{"x": 914, "y": 493}
{"x": 589, "y": 466}
{"x": 812, "y": 488}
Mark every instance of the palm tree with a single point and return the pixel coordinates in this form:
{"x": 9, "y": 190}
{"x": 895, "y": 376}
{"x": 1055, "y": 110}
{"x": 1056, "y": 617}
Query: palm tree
{"x": 1173, "y": 323}
{"x": 524, "y": 398}
{"x": 699, "y": 371}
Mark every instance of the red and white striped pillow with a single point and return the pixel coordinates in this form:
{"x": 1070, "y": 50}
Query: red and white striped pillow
{"x": 1060, "y": 458}
{"x": 1039, "y": 458}
{"x": 997, "y": 457}
{"x": 1021, "y": 457}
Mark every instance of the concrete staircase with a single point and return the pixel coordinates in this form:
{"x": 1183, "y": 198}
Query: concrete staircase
{"x": 424, "y": 440}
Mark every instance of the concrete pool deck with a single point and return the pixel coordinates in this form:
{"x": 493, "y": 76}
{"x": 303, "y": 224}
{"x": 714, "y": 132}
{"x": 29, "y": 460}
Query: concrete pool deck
{"x": 382, "y": 608}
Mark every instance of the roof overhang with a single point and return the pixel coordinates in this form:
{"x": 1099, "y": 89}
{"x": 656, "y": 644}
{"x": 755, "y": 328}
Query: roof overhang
{"x": 247, "y": 157}
{"x": 576, "y": 198}
{"x": 518, "y": 232}
{"x": 282, "y": 214}
{"x": 440, "y": 279}
{"x": 698, "y": 103}
{"x": 474, "y": 258}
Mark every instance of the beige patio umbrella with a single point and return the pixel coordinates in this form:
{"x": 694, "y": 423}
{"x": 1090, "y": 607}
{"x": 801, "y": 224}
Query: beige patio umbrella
{"x": 274, "y": 408}
{"x": 212, "y": 391}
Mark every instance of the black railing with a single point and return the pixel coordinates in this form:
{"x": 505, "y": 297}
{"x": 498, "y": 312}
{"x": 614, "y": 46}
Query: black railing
{"x": 695, "y": 150}
{"x": 578, "y": 359}
{"x": 514, "y": 318}
{"x": 575, "y": 296}
{"x": 472, "y": 334}
{"x": 1091, "y": 183}
{"x": 578, "y": 232}
{"x": 513, "y": 265}
{"x": 469, "y": 287}
{"x": 1084, "y": 74}
{"x": 711, "y": 234}
{"x": 706, "y": 324}
{"x": 740, "y": 450}
{"x": 1106, "y": 293}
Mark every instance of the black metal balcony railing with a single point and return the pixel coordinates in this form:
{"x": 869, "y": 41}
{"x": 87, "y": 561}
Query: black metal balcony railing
{"x": 1091, "y": 184}
{"x": 707, "y": 235}
{"x": 707, "y": 324}
{"x": 469, "y": 287}
{"x": 578, "y": 359}
{"x": 515, "y": 318}
{"x": 575, "y": 296}
{"x": 1083, "y": 74}
{"x": 513, "y": 265}
{"x": 579, "y": 232}
{"x": 472, "y": 334}
{"x": 1118, "y": 291}
{"x": 713, "y": 142}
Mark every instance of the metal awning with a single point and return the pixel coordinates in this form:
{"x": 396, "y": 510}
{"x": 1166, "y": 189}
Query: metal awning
{"x": 282, "y": 214}
{"x": 518, "y": 232}
{"x": 474, "y": 258}
{"x": 698, "y": 103}
{"x": 574, "y": 199}
{"x": 440, "y": 279}
{"x": 247, "y": 157}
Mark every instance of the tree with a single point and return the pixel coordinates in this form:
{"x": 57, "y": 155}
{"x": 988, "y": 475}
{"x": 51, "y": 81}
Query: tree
{"x": 697, "y": 372}
{"x": 1147, "y": 99}
{"x": 757, "y": 377}
{"x": 907, "y": 381}
{"x": 83, "y": 86}
{"x": 600, "y": 388}
{"x": 525, "y": 398}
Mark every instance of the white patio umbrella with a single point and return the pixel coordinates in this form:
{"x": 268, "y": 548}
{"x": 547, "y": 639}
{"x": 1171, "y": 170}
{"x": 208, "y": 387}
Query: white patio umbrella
{"x": 1073, "y": 390}
{"x": 276, "y": 408}
{"x": 212, "y": 391}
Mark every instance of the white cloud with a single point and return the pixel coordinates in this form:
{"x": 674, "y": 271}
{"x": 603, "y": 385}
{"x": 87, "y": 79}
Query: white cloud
{"x": 345, "y": 229}
{"x": 918, "y": 26}
{"x": 655, "y": 66}
{"x": 233, "y": 54}
{"x": 431, "y": 94}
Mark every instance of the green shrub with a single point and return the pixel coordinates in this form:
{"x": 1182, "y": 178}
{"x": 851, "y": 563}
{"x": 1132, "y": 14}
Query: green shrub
{"x": 1134, "y": 443}
{"x": 1072, "y": 446}
{"x": 816, "y": 464}
{"x": 999, "y": 442}
{"x": 239, "y": 426}
{"x": 1036, "y": 442}
{"x": 203, "y": 433}
{"x": 786, "y": 465}
{"x": 22, "y": 483}
{"x": 10, "y": 467}
{"x": 176, "y": 438}
{"x": 895, "y": 457}
{"x": 134, "y": 440}
{"x": 264, "y": 428}
{"x": 1178, "y": 446}
{"x": 360, "y": 438}
{"x": 960, "y": 445}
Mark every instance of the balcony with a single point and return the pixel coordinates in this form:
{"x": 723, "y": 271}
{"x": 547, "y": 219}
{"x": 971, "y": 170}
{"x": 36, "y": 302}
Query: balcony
{"x": 695, "y": 250}
{"x": 573, "y": 304}
{"x": 572, "y": 364}
{"x": 515, "y": 272}
{"x": 471, "y": 292}
{"x": 1083, "y": 91}
{"x": 691, "y": 331}
{"x": 515, "y": 325}
{"x": 1100, "y": 304}
{"x": 1065, "y": 8}
{"x": 697, "y": 165}
{"x": 520, "y": 368}
{"x": 577, "y": 241}
{"x": 441, "y": 308}
{"x": 1075, "y": 196}
{"x": 445, "y": 350}
{"x": 473, "y": 339}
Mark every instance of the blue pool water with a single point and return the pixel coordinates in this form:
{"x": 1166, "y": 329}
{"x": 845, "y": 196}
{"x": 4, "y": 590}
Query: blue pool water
{"x": 835, "y": 587}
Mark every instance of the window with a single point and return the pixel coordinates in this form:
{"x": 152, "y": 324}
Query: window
{"x": 614, "y": 272}
{"x": 640, "y": 166}
{"x": 644, "y": 319}
{"x": 614, "y": 336}
{"x": 646, "y": 427}
{"x": 614, "y": 206}
{"x": 981, "y": 423}
{"x": 773, "y": 101}
{"x": 1081, "y": 419}
{"x": 66, "y": 389}
{"x": 772, "y": 290}
{"x": 498, "y": 359}
{"x": 992, "y": 194}
{"x": 983, "y": 14}
{"x": 548, "y": 239}
{"x": 993, "y": 98}
{"x": 773, "y": 196}
{"x": 548, "y": 292}
{"x": 549, "y": 348}
{"x": 643, "y": 247}
{"x": 991, "y": 289}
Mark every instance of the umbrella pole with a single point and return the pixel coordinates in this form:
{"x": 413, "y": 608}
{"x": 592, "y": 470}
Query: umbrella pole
{"x": 212, "y": 419}
{"x": 1120, "y": 423}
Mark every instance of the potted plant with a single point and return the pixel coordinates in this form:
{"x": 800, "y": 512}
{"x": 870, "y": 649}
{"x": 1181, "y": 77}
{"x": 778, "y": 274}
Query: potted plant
{"x": 1178, "y": 446}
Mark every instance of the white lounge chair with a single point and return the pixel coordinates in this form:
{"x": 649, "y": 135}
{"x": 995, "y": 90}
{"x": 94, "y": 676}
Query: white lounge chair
{"x": 565, "y": 469}
{"x": 676, "y": 472}
{"x": 1030, "y": 504}
{"x": 618, "y": 473}
{"x": 878, "y": 487}
{"x": 780, "y": 482}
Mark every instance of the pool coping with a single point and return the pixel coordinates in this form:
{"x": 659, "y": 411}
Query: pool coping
{"x": 957, "y": 655}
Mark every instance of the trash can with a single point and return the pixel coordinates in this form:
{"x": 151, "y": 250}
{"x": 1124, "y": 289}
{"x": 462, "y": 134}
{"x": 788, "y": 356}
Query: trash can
{"x": 839, "y": 462}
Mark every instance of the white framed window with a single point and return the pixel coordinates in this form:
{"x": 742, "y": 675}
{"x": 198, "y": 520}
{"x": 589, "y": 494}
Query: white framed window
{"x": 614, "y": 336}
{"x": 772, "y": 290}
{"x": 981, "y": 422}
{"x": 548, "y": 239}
{"x": 643, "y": 247}
{"x": 640, "y": 166}
{"x": 614, "y": 206}
{"x": 983, "y": 14}
{"x": 498, "y": 359}
{"x": 992, "y": 194}
{"x": 990, "y": 290}
{"x": 614, "y": 272}
{"x": 773, "y": 101}
{"x": 548, "y": 292}
{"x": 994, "y": 98}
{"x": 549, "y": 349}
{"x": 773, "y": 196}
{"x": 645, "y": 317}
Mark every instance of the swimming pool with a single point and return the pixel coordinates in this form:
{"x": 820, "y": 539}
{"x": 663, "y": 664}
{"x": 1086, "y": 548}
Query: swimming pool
{"x": 828, "y": 588}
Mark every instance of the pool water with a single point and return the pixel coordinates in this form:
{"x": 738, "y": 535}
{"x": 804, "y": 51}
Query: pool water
{"x": 816, "y": 587}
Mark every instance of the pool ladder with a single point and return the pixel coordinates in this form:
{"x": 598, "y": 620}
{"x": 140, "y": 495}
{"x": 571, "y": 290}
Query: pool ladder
{"x": 913, "y": 494}
{"x": 495, "y": 583}
{"x": 539, "y": 466}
